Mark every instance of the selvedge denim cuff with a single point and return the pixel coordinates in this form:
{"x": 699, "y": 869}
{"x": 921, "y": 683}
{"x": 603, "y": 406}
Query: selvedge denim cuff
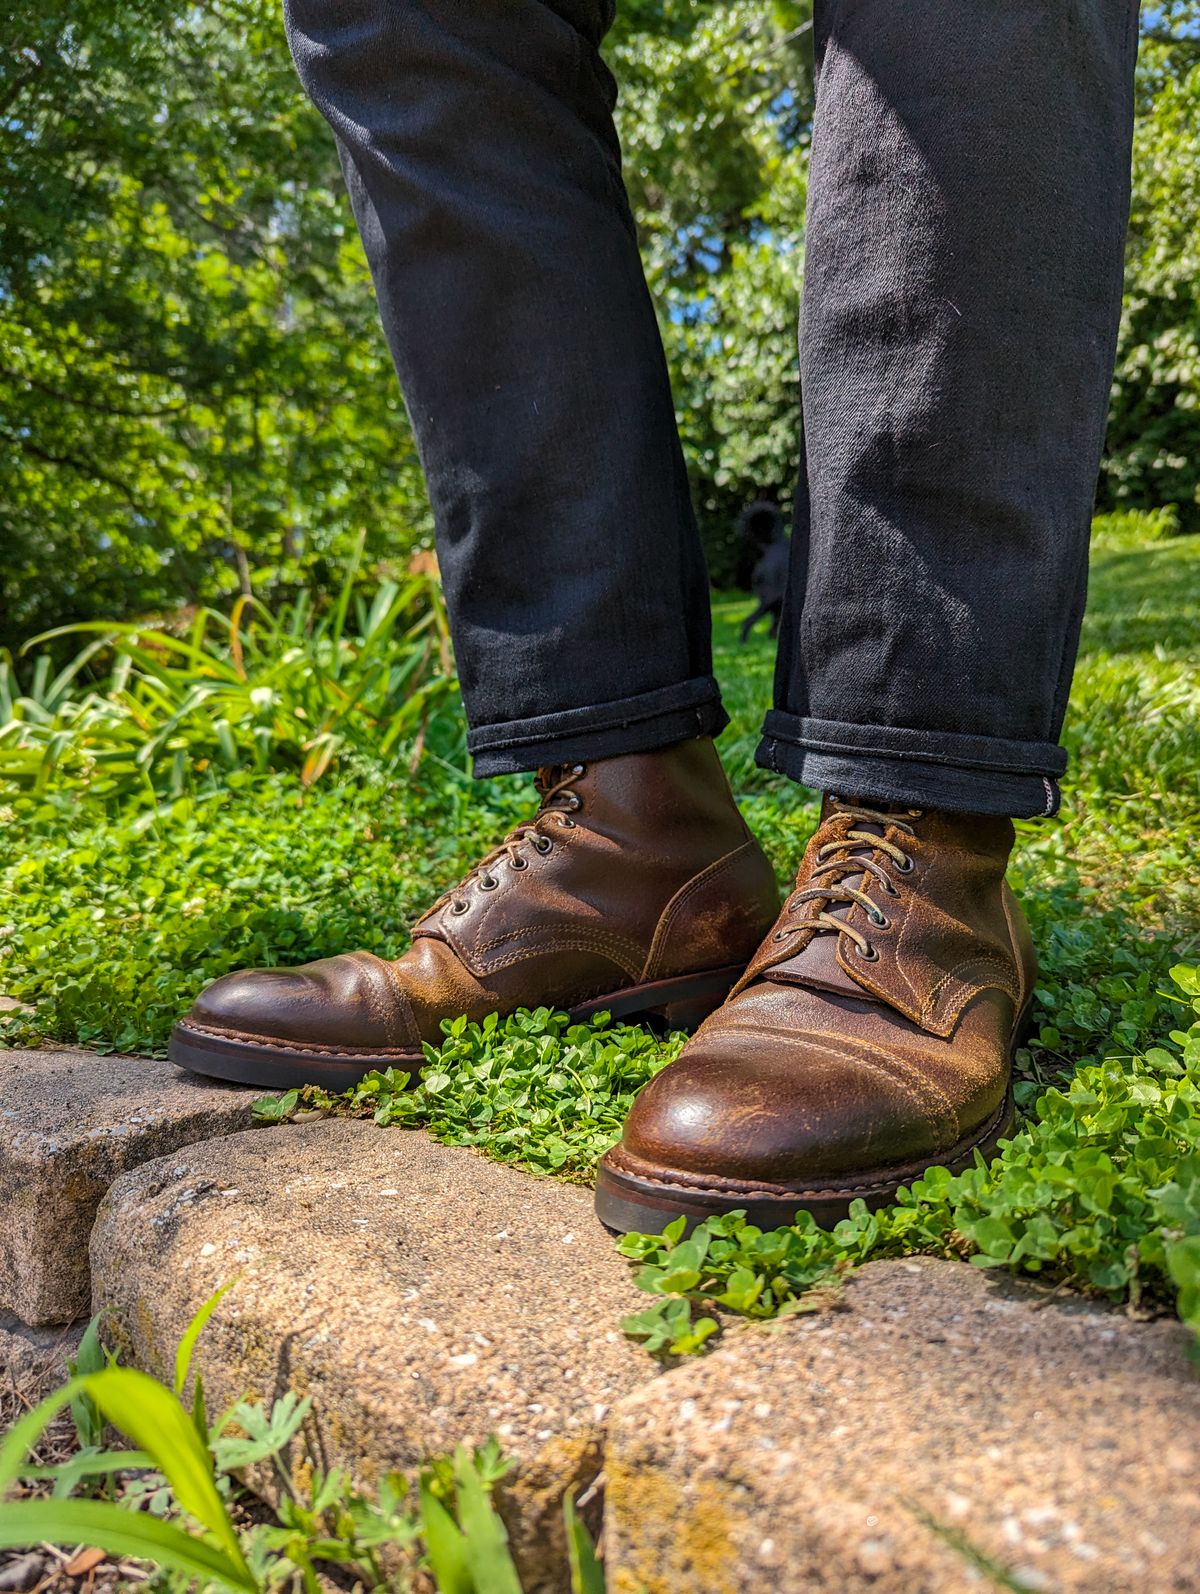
{"x": 603, "y": 730}
{"x": 927, "y": 769}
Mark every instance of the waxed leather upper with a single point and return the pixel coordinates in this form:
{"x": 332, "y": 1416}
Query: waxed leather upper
{"x": 641, "y": 869}
{"x": 825, "y": 1064}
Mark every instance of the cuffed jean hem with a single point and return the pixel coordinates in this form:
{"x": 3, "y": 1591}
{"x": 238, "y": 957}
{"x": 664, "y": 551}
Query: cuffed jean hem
{"x": 962, "y": 774}
{"x": 607, "y": 730}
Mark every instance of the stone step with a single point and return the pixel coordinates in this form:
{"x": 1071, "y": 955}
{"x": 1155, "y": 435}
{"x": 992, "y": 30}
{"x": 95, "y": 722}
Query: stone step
{"x": 944, "y": 1430}
{"x": 945, "y": 1420}
{"x": 70, "y": 1122}
{"x": 424, "y": 1298}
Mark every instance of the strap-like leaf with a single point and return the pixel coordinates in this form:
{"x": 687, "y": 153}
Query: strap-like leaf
{"x": 484, "y": 1537}
{"x": 587, "y": 1575}
{"x": 183, "y": 1356}
{"x": 119, "y": 1532}
{"x": 149, "y": 1414}
{"x": 444, "y": 1543}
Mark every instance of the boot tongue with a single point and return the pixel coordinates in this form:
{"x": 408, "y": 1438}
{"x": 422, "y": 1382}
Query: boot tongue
{"x": 816, "y": 964}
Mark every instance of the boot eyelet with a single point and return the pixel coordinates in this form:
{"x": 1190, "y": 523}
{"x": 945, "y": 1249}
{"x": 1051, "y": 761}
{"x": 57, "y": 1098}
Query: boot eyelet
{"x": 780, "y": 935}
{"x": 881, "y": 921}
{"x": 907, "y": 866}
{"x": 868, "y": 954}
{"x": 568, "y": 824}
{"x": 576, "y": 803}
{"x": 458, "y": 908}
{"x": 488, "y": 883}
{"x": 543, "y": 844}
{"x": 518, "y": 863}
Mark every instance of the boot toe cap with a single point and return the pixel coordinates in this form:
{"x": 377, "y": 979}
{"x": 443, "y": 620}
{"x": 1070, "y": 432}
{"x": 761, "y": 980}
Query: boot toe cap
{"x": 346, "y": 1001}
{"x": 771, "y": 1108}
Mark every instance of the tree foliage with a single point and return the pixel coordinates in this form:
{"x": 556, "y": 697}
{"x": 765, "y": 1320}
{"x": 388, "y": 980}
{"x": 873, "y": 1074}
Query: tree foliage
{"x": 193, "y": 380}
{"x": 195, "y": 395}
{"x": 1153, "y": 453}
{"x": 715, "y": 115}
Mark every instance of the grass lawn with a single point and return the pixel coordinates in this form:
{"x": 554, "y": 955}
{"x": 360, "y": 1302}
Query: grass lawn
{"x": 112, "y": 916}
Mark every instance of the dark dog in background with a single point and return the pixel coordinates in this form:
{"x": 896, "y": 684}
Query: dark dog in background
{"x": 761, "y": 528}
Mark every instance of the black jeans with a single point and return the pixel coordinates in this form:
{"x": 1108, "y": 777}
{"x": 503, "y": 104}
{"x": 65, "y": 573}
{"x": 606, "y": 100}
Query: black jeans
{"x": 967, "y": 210}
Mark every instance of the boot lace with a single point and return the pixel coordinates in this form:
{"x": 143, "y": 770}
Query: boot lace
{"x": 860, "y": 851}
{"x": 555, "y": 787}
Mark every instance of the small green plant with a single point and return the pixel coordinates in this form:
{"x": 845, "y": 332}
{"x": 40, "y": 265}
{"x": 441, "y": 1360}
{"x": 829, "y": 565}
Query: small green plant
{"x": 109, "y": 926}
{"x": 535, "y": 1089}
{"x": 174, "y": 1502}
{"x": 1099, "y": 1190}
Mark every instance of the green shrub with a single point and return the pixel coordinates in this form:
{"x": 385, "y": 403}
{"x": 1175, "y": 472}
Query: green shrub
{"x": 302, "y": 689}
{"x": 1134, "y": 528}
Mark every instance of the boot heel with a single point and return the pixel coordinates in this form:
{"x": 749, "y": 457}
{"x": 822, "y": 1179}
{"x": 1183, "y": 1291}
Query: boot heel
{"x": 687, "y": 1015}
{"x": 681, "y": 1002}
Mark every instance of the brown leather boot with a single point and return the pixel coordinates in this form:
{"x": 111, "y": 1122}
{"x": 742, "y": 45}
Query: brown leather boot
{"x": 636, "y": 887}
{"x": 870, "y": 1038}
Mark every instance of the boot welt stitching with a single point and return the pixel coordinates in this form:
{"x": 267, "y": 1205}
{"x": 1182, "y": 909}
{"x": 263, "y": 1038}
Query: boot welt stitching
{"x": 719, "y": 1185}
{"x": 276, "y": 1043}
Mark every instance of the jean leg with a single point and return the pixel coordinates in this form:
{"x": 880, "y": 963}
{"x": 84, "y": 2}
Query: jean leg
{"x": 968, "y": 202}
{"x": 484, "y": 172}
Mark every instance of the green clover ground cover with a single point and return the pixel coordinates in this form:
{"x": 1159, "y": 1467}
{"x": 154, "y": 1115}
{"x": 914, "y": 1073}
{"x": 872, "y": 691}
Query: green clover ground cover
{"x": 113, "y": 915}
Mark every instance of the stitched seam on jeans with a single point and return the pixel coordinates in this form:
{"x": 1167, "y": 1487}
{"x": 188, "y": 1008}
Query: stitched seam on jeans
{"x": 865, "y": 736}
{"x": 934, "y": 756}
{"x": 922, "y": 756}
{"x": 620, "y": 723}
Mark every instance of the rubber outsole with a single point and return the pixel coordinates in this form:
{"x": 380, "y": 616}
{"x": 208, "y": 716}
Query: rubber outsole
{"x": 628, "y": 1201}
{"x": 680, "y": 1003}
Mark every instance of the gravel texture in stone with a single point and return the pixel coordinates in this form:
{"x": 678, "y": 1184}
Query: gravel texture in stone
{"x": 423, "y": 1297}
{"x": 944, "y": 1419}
{"x": 70, "y": 1122}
